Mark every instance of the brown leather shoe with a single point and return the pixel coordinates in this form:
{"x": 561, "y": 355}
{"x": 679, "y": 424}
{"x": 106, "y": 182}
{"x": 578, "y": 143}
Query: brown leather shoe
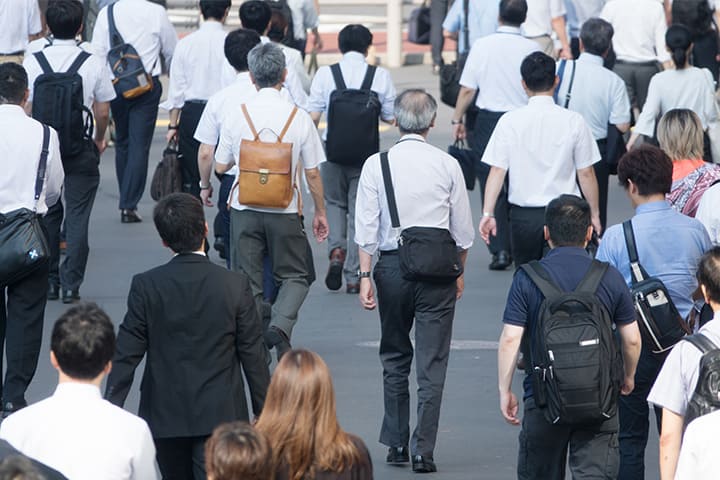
{"x": 333, "y": 279}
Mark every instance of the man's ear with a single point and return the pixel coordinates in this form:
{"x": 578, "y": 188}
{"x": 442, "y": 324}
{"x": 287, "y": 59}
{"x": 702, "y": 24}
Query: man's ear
{"x": 53, "y": 361}
{"x": 704, "y": 293}
{"x": 589, "y": 234}
{"x": 546, "y": 233}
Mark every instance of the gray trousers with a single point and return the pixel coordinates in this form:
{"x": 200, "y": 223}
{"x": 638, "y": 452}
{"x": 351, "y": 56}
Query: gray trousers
{"x": 637, "y": 79}
{"x": 340, "y": 186}
{"x": 281, "y": 237}
{"x": 432, "y": 308}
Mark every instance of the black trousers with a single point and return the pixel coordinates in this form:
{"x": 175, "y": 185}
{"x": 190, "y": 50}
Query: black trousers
{"x": 485, "y": 123}
{"x": 22, "y": 310}
{"x": 431, "y": 307}
{"x": 188, "y": 147}
{"x": 526, "y": 233}
{"x": 602, "y": 173}
{"x": 438, "y": 10}
{"x": 181, "y": 458}
{"x": 705, "y": 50}
{"x": 637, "y": 79}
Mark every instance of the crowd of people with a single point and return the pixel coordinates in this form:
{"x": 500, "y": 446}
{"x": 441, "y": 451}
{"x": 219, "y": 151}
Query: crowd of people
{"x": 555, "y": 98}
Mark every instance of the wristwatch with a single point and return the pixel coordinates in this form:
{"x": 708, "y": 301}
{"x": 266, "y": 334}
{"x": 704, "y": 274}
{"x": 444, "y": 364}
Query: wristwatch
{"x": 204, "y": 187}
{"x": 363, "y": 274}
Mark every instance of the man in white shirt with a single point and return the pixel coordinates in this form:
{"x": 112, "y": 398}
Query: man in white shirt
{"x": 82, "y": 176}
{"x": 22, "y": 303}
{"x": 198, "y": 70}
{"x": 546, "y": 151}
{"x": 277, "y": 232}
{"x": 19, "y": 25}
{"x": 147, "y": 28}
{"x": 493, "y": 72}
{"x": 75, "y": 431}
{"x": 340, "y": 179}
{"x": 639, "y": 43}
{"x": 418, "y": 170}
{"x": 544, "y": 17}
{"x": 578, "y": 12}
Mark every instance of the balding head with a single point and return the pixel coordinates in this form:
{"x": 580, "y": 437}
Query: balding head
{"x": 415, "y": 111}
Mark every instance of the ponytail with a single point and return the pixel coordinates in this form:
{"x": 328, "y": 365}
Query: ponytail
{"x": 679, "y": 57}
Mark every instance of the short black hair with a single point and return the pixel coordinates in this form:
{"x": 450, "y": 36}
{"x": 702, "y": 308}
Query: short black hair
{"x": 278, "y": 26}
{"x": 83, "y": 341}
{"x": 13, "y": 83}
{"x": 649, "y": 168}
{"x": 354, "y": 38}
{"x": 238, "y": 44}
{"x": 64, "y": 18}
{"x": 538, "y": 72}
{"x": 567, "y": 218}
{"x": 513, "y": 12}
{"x": 708, "y": 273}
{"x": 214, "y": 8}
{"x": 596, "y": 35}
{"x": 255, "y": 15}
{"x": 180, "y": 220}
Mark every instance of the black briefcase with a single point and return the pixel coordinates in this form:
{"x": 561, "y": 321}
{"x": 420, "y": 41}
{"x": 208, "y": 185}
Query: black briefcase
{"x": 466, "y": 159}
{"x": 167, "y": 178}
{"x": 419, "y": 26}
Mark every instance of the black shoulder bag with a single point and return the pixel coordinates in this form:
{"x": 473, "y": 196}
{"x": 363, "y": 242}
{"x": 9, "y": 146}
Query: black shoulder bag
{"x": 427, "y": 254}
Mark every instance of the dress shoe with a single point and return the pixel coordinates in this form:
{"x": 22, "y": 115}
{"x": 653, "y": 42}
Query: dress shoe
{"x": 53, "y": 291}
{"x": 219, "y": 247}
{"x": 276, "y": 338}
{"x": 500, "y": 261}
{"x": 9, "y": 408}
{"x": 397, "y": 455}
{"x": 130, "y": 216}
{"x": 333, "y": 279}
{"x": 352, "y": 288}
{"x": 422, "y": 464}
{"x": 436, "y": 69}
{"x": 70, "y": 296}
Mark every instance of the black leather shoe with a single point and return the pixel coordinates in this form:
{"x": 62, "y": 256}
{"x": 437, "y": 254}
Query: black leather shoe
{"x": 53, "y": 291}
{"x": 352, "y": 288}
{"x": 397, "y": 455}
{"x": 70, "y": 296}
{"x": 130, "y": 216}
{"x": 333, "y": 279}
{"x": 422, "y": 464}
{"x": 501, "y": 261}
{"x": 276, "y": 338}
{"x": 9, "y": 408}
{"x": 219, "y": 247}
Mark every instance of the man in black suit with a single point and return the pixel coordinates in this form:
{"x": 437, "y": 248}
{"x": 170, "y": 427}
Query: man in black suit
{"x": 199, "y": 326}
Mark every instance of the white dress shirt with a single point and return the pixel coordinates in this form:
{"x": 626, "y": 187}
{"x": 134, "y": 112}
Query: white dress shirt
{"x": 304, "y": 17}
{"x": 142, "y": 24}
{"x": 709, "y": 214}
{"x": 293, "y": 84}
{"x": 20, "y": 147}
{"x": 541, "y": 146}
{"x": 692, "y": 88}
{"x": 539, "y": 17}
{"x": 43, "y": 42}
{"x": 269, "y": 112}
{"x": 580, "y": 11}
{"x": 429, "y": 192}
{"x": 97, "y": 85}
{"x": 294, "y": 62}
{"x": 353, "y": 67}
{"x": 18, "y": 20}
{"x": 493, "y": 68}
{"x": 83, "y": 436}
{"x": 199, "y": 67}
{"x": 640, "y": 27}
{"x": 598, "y": 94}
{"x": 699, "y": 451}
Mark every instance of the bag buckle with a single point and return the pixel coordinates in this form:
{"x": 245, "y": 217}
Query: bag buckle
{"x": 264, "y": 172}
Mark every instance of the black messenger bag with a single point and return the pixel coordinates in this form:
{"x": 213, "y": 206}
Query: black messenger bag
{"x": 427, "y": 254}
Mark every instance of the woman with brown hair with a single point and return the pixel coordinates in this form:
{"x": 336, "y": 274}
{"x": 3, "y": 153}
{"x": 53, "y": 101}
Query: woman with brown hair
{"x": 236, "y": 451}
{"x": 300, "y": 422}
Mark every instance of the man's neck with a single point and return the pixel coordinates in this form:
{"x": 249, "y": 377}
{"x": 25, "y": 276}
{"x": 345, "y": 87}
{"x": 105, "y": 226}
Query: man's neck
{"x": 548, "y": 93}
{"x": 638, "y": 200}
{"x": 63, "y": 378}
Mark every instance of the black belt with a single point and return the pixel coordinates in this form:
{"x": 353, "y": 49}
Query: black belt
{"x": 196, "y": 102}
{"x": 388, "y": 252}
{"x": 652, "y": 63}
{"x": 14, "y": 54}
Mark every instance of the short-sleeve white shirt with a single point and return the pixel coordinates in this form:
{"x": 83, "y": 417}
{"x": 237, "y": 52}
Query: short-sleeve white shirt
{"x": 699, "y": 451}
{"x": 709, "y": 214}
{"x": 541, "y": 146}
{"x": 539, "y": 17}
{"x": 640, "y": 27}
{"x": 18, "y": 20}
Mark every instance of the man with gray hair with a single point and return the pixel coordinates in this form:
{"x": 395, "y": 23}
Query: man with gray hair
{"x": 257, "y": 230}
{"x": 417, "y": 170}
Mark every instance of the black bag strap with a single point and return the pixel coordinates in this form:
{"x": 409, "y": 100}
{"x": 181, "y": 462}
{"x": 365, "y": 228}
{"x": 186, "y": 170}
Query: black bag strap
{"x": 466, "y": 27}
{"x": 79, "y": 60}
{"x": 570, "y": 86}
{"x": 337, "y": 76}
{"x": 539, "y": 277}
{"x": 702, "y": 343}
{"x": 637, "y": 272}
{"x": 593, "y": 277}
{"x": 389, "y": 190}
{"x": 43, "y": 62}
{"x": 369, "y": 76}
{"x": 42, "y": 166}
{"x": 115, "y": 37}
{"x": 560, "y": 74}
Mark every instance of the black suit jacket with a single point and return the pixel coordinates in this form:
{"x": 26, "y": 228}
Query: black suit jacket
{"x": 198, "y": 324}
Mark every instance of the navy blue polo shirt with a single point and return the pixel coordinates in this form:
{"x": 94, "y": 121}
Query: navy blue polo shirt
{"x": 566, "y": 266}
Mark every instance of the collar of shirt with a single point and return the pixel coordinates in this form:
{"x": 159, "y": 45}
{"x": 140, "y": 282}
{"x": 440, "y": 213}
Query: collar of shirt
{"x": 509, "y": 29}
{"x": 574, "y": 251}
{"x": 11, "y": 108}
{"x": 269, "y": 92}
{"x": 652, "y": 207}
{"x": 196, "y": 252}
{"x": 77, "y": 389}
{"x": 540, "y": 101}
{"x": 211, "y": 25}
{"x": 590, "y": 58}
{"x": 67, "y": 42}
{"x": 354, "y": 57}
{"x": 411, "y": 136}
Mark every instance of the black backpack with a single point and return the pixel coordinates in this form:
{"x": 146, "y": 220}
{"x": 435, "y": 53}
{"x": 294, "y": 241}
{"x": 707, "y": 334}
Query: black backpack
{"x": 706, "y": 397}
{"x": 575, "y": 363}
{"x": 352, "y": 119}
{"x": 283, "y": 7}
{"x": 58, "y": 102}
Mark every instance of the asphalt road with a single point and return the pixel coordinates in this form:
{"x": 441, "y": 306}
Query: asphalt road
{"x": 473, "y": 443}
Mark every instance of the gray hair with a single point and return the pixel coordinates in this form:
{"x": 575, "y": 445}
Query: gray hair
{"x": 596, "y": 35}
{"x": 266, "y": 63}
{"x": 415, "y": 110}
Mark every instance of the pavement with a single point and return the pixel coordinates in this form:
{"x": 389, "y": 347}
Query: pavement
{"x": 473, "y": 442}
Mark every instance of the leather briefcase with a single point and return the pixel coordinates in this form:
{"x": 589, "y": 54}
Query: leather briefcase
{"x": 167, "y": 178}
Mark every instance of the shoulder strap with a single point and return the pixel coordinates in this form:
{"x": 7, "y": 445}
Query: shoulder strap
{"x": 538, "y": 275}
{"x": 702, "y": 343}
{"x": 369, "y": 76}
{"x": 42, "y": 166}
{"x": 635, "y": 269}
{"x": 593, "y": 277}
{"x": 466, "y": 27}
{"x": 570, "y": 86}
{"x": 337, "y": 76}
{"x": 43, "y": 62}
{"x": 287, "y": 124}
{"x": 389, "y": 190}
{"x": 115, "y": 37}
{"x": 249, "y": 122}
{"x": 79, "y": 60}
{"x": 560, "y": 74}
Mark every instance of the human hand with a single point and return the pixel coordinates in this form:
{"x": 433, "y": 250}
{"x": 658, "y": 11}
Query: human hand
{"x": 627, "y": 386}
{"x": 171, "y": 135}
{"x": 460, "y": 282}
{"x": 597, "y": 225}
{"x": 565, "y": 53}
{"x": 320, "y": 227}
{"x": 367, "y": 295}
{"x": 101, "y": 145}
{"x": 487, "y": 227}
{"x": 317, "y": 42}
{"x": 509, "y": 407}
{"x": 459, "y": 132}
{"x": 206, "y": 196}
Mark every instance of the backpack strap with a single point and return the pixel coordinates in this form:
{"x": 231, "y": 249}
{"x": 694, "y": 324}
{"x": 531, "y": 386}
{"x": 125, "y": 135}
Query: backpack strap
{"x": 701, "y": 342}
{"x": 593, "y": 277}
{"x": 636, "y": 271}
{"x": 538, "y": 275}
{"x": 369, "y": 76}
{"x": 249, "y": 122}
{"x": 42, "y": 165}
{"x": 389, "y": 189}
{"x": 337, "y": 76}
{"x": 115, "y": 37}
{"x": 79, "y": 60}
{"x": 43, "y": 62}
{"x": 287, "y": 124}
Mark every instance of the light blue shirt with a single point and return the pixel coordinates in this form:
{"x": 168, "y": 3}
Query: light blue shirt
{"x": 669, "y": 246}
{"x": 579, "y": 11}
{"x": 598, "y": 94}
{"x": 482, "y": 20}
